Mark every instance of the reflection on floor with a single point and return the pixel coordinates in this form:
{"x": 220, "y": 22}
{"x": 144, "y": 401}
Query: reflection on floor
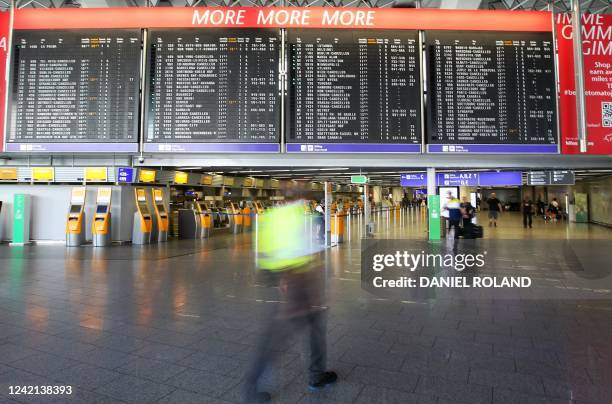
{"x": 178, "y": 324}
{"x": 412, "y": 223}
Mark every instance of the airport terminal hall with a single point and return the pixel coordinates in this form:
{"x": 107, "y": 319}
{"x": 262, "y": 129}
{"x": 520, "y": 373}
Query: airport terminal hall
{"x": 313, "y": 201}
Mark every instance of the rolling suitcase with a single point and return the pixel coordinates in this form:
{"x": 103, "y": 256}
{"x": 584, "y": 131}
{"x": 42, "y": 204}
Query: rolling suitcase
{"x": 477, "y": 231}
{"x": 472, "y": 231}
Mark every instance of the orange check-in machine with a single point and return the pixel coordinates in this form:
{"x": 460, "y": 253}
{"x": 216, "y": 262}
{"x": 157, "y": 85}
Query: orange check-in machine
{"x": 143, "y": 222}
{"x": 101, "y": 226}
{"x": 259, "y": 207}
{"x": 235, "y": 217}
{"x": 248, "y": 212}
{"x": 160, "y": 218}
{"x": 206, "y": 218}
{"x": 75, "y": 229}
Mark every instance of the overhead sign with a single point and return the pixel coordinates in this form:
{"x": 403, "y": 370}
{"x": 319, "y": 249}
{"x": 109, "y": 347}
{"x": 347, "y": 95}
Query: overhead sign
{"x": 5, "y": 17}
{"x": 45, "y": 174}
{"x": 562, "y": 177}
{"x": 206, "y": 180}
{"x": 71, "y": 108}
{"x": 248, "y": 182}
{"x": 464, "y": 178}
{"x": 457, "y": 179}
{"x": 147, "y": 175}
{"x": 181, "y": 177}
{"x": 96, "y": 174}
{"x": 501, "y": 178}
{"x": 559, "y": 177}
{"x": 392, "y": 91}
{"x": 8, "y": 174}
{"x": 282, "y": 17}
{"x": 359, "y": 179}
{"x": 125, "y": 174}
{"x": 597, "y": 60}
{"x": 491, "y": 92}
{"x": 413, "y": 180}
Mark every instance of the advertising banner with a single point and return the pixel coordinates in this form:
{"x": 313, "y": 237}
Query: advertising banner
{"x": 597, "y": 51}
{"x": 282, "y": 17}
{"x": 4, "y": 44}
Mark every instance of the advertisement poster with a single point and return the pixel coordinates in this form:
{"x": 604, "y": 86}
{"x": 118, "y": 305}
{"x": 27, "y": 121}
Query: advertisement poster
{"x": 597, "y": 50}
{"x": 5, "y": 18}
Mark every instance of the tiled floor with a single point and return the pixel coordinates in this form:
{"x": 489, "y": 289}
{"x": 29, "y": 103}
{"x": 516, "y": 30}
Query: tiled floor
{"x": 178, "y": 324}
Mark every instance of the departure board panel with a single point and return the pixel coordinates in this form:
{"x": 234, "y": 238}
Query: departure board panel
{"x": 213, "y": 90}
{"x": 75, "y": 91}
{"x": 353, "y": 91}
{"x": 491, "y": 92}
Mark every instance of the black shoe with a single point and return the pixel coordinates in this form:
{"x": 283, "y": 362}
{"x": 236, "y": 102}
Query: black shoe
{"x": 326, "y": 378}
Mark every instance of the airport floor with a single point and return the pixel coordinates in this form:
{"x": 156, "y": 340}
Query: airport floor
{"x": 179, "y": 323}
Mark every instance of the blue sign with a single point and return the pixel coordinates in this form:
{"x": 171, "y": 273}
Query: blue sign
{"x": 493, "y": 148}
{"x": 503, "y": 178}
{"x": 353, "y": 148}
{"x": 125, "y": 174}
{"x": 413, "y": 180}
{"x": 457, "y": 179}
{"x": 465, "y": 178}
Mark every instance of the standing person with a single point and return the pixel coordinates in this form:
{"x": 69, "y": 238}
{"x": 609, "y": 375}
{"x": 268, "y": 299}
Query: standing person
{"x": 540, "y": 205}
{"x": 467, "y": 212}
{"x": 285, "y": 253}
{"x": 495, "y": 207}
{"x": 320, "y": 212}
{"x": 554, "y": 209}
{"x": 527, "y": 209}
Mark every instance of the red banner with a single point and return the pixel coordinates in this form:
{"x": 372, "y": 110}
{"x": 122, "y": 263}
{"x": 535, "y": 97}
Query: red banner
{"x": 5, "y": 19}
{"x": 597, "y": 51}
{"x": 282, "y": 17}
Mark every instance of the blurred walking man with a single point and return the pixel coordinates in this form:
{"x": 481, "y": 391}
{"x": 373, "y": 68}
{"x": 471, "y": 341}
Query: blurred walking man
{"x": 289, "y": 253}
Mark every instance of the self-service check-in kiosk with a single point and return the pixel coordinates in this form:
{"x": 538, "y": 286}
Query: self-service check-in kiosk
{"x": 207, "y": 219}
{"x": 190, "y": 221}
{"x": 143, "y": 222}
{"x": 259, "y": 207}
{"x": 160, "y": 219}
{"x": 235, "y": 217}
{"x": 248, "y": 211}
{"x": 101, "y": 226}
{"x": 75, "y": 229}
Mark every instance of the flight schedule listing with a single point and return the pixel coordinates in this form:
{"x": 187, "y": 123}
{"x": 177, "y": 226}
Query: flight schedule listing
{"x": 214, "y": 85}
{"x": 491, "y": 88}
{"x": 348, "y": 86}
{"x": 75, "y": 87}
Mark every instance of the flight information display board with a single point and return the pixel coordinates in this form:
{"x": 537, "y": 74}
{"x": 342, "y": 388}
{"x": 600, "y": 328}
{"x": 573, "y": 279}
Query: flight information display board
{"x": 353, "y": 91}
{"x": 75, "y": 91}
{"x": 213, "y": 90}
{"x": 491, "y": 92}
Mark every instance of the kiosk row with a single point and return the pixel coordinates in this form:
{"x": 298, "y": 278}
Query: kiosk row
{"x": 147, "y": 227}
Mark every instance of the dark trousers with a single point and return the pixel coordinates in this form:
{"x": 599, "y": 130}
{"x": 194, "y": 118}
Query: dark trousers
{"x": 454, "y": 223}
{"x": 278, "y": 333}
{"x": 527, "y": 219}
